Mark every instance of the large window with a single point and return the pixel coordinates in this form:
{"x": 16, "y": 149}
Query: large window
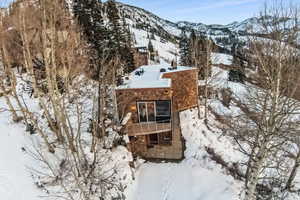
{"x": 150, "y": 111}
{"x": 163, "y": 108}
{"x": 146, "y": 111}
{"x": 163, "y": 111}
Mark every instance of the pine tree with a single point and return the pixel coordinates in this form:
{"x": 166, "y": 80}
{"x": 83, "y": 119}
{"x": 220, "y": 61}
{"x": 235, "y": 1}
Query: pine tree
{"x": 89, "y": 16}
{"x": 127, "y": 51}
{"x": 120, "y": 41}
{"x": 184, "y": 46}
{"x": 152, "y": 36}
{"x": 115, "y": 29}
{"x": 151, "y": 50}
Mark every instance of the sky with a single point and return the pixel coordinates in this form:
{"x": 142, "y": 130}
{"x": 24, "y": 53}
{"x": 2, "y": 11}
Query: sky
{"x": 4, "y": 3}
{"x": 204, "y": 11}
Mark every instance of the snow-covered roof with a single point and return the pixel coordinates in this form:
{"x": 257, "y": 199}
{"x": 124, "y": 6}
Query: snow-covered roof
{"x": 142, "y": 49}
{"x": 150, "y": 76}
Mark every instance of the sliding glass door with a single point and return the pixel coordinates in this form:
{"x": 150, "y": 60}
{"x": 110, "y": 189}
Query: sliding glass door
{"x": 146, "y": 111}
{"x": 150, "y": 111}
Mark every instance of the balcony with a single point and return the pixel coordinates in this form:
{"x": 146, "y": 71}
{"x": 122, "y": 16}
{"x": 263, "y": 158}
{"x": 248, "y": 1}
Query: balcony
{"x": 148, "y": 128}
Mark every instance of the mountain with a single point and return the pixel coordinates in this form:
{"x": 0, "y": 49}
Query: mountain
{"x": 223, "y": 35}
{"x": 141, "y": 19}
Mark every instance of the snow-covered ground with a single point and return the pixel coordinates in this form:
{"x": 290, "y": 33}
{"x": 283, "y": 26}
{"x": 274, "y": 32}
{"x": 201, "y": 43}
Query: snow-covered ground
{"x": 16, "y": 182}
{"x": 24, "y": 177}
{"x": 197, "y": 176}
{"x": 169, "y": 181}
{"x": 165, "y": 50}
{"x": 220, "y": 58}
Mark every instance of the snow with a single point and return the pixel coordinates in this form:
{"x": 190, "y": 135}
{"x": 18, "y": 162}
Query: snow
{"x": 220, "y": 58}
{"x": 16, "y": 182}
{"x": 171, "y": 181}
{"x": 197, "y": 176}
{"x": 166, "y": 50}
{"x": 20, "y": 173}
{"x": 219, "y": 80}
{"x": 151, "y": 77}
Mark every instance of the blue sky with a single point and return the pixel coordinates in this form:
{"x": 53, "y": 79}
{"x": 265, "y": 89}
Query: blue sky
{"x": 4, "y": 3}
{"x": 205, "y": 11}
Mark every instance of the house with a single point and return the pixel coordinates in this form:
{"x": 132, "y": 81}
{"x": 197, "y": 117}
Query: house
{"x": 140, "y": 56}
{"x": 153, "y": 96}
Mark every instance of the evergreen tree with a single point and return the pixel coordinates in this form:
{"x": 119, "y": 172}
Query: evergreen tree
{"x": 191, "y": 46}
{"x": 89, "y": 16}
{"x": 120, "y": 41}
{"x": 150, "y": 46}
{"x": 151, "y": 50}
{"x": 152, "y": 36}
{"x": 114, "y": 26}
{"x": 184, "y": 48}
{"x": 128, "y": 51}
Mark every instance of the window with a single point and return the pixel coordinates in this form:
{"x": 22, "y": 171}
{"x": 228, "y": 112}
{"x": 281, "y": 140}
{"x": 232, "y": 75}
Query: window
{"x": 160, "y": 139}
{"x": 163, "y": 108}
{"x": 153, "y": 139}
{"x": 167, "y": 136}
{"x": 146, "y": 111}
{"x": 163, "y": 111}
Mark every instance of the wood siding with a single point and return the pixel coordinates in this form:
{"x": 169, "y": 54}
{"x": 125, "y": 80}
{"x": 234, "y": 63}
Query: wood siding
{"x": 185, "y": 89}
{"x": 183, "y": 95}
{"x": 140, "y": 58}
{"x": 127, "y": 99}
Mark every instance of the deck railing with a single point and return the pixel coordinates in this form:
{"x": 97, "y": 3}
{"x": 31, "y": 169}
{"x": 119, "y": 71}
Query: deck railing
{"x": 149, "y": 128}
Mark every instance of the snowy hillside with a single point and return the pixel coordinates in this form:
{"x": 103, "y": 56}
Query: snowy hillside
{"x": 27, "y": 168}
{"x": 142, "y": 22}
{"x": 166, "y": 50}
{"x": 16, "y": 182}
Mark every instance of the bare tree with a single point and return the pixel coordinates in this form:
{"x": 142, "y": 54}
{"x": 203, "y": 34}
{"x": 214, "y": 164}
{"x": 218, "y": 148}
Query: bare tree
{"x": 269, "y": 111}
{"x": 201, "y": 58}
{"x": 54, "y": 57}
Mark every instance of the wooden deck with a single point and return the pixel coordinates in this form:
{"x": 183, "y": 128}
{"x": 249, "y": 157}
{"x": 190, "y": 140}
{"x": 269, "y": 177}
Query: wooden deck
{"x": 148, "y": 128}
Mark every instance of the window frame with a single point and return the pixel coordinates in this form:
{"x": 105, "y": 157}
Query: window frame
{"x": 170, "y": 111}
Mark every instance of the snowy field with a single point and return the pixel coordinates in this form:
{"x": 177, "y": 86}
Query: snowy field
{"x": 182, "y": 181}
{"x": 15, "y": 179}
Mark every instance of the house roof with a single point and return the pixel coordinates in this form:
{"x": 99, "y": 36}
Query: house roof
{"x": 142, "y": 49}
{"x": 150, "y": 76}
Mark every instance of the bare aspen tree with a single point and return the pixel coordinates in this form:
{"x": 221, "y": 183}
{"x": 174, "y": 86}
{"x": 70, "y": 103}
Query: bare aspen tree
{"x": 54, "y": 59}
{"x": 269, "y": 110}
{"x": 201, "y": 58}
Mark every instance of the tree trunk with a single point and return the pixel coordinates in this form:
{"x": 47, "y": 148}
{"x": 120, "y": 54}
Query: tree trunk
{"x": 253, "y": 174}
{"x": 293, "y": 172}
